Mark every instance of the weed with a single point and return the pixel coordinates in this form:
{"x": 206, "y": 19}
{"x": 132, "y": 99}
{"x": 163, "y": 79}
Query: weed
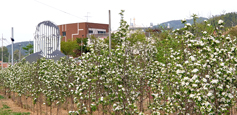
{"x": 5, "y": 106}
{"x": 15, "y": 113}
{"x": 1, "y": 97}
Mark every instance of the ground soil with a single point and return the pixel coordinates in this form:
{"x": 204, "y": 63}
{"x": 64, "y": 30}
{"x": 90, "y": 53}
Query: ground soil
{"x": 16, "y": 107}
{"x": 13, "y": 106}
{"x": 33, "y": 111}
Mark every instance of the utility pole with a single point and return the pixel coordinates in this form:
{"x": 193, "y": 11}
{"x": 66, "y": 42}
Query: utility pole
{"x": 109, "y": 32}
{"x": 12, "y": 39}
{"x": 9, "y": 57}
{"x": 2, "y": 52}
{"x": 81, "y": 44}
{"x": 20, "y": 53}
{"x": 87, "y": 17}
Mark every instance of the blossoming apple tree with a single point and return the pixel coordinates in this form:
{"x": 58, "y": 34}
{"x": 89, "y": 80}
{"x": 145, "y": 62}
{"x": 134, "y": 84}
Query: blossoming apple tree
{"x": 196, "y": 77}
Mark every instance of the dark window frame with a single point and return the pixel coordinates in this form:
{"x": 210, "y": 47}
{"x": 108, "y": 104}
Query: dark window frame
{"x": 90, "y": 31}
{"x": 64, "y": 33}
{"x": 101, "y": 32}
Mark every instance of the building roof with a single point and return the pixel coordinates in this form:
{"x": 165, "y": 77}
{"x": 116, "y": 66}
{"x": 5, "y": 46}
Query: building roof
{"x": 84, "y": 22}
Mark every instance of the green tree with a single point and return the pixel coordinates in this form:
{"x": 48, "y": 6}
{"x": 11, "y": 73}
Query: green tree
{"x": 5, "y": 54}
{"x": 122, "y": 33}
{"x": 82, "y": 45}
{"x": 233, "y": 32}
{"x": 16, "y": 55}
{"x": 69, "y": 47}
{"x": 137, "y": 37}
{"x": 114, "y": 42}
{"x": 230, "y": 19}
{"x": 28, "y": 49}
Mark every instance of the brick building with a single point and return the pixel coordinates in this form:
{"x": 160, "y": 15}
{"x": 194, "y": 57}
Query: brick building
{"x": 82, "y": 30}
{"x": 5, "y": 65}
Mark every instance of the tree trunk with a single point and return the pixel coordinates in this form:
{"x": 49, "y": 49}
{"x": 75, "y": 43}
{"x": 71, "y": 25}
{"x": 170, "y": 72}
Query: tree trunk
{"x": 9, "y": 93}
{"x": 26, "y": 107}
{"x": 20, "y": 102}
{"x": 13, "y": 96}
{"x": 58, "y": 108}
{"x": 46, "y": 112}
{"x": 40, "y": 102}
{"x": 72, "y": 103}
{"x": 51, "y": 109}
{"x": 66, "y": 104}
{"x": 37, "y": 109}
{"x": 33, "y": 106}
{"x": 141, "y": 96}
{"x": 5, "y": 91}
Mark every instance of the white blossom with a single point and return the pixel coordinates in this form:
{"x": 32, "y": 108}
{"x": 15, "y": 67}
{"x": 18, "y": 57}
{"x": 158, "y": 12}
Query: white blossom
{"x": 222, "y": 64}
{"x": 191, "y": 95}
{"x": 220, "y": 22}
{"x": 207, "y": 76}
{"x": 194, "y": 85}
{"x": 180, "y": 71}
{"x": 214, "y": 81}
{"x": 188, "y": 24}
{"x": 186, "y": 78}
{"x": 192, "y": 58}
{"x": 195, "y": 70}
{"x": 209, "y": 94}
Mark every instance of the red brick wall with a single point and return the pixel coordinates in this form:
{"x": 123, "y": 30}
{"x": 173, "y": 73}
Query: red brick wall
{"x": 72, "y": 29}
{"x": 5, "y": 65}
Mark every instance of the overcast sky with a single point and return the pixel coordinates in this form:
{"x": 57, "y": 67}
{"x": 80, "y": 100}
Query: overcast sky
{"x": 24, "y": 15}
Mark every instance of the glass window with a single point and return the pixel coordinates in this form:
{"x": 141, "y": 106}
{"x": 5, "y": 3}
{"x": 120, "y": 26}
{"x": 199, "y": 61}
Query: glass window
{"x": 101, "y": 32}
{"x": 64, "y": 33}
{"x": 90, "y": 31}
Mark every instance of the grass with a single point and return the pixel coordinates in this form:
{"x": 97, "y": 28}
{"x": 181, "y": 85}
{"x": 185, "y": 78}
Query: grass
{"x": 5, "y": 106}
{"x": 15, "y": 113}
{"x": 9, "y": 112}
{"x": 5, "y": 111}
{"x": 1, "y": 97}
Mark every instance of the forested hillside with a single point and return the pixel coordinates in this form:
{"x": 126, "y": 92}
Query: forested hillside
{"x": 175, "y": 24}
{"x": 17, "y": 46}
{"x": 230, "y": 19}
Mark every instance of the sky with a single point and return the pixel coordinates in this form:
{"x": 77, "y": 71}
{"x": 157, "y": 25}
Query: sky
{"x": 24, "y": 15}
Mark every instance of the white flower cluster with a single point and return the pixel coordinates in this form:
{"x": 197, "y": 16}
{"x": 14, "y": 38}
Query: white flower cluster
{"x": 206, "y": 71}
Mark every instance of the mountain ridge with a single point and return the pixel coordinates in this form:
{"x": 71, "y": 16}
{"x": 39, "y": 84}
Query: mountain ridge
{"x": 176, "y": 24}
{"x": 16, "y": 46}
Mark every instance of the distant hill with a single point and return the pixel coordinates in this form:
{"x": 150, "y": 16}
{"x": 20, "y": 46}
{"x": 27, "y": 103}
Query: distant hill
{"x": 16, "y": 46}
{"x": 175, "y": 24}
{"x": 230, "y": 19}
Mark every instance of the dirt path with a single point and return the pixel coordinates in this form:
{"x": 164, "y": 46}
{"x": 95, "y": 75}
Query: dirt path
{"x": 16, "y": 108}
{"x": 13, "y": 106}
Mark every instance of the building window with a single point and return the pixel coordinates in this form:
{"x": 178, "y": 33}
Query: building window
{"x": 101, "y": 32}
{"x": 64, "y": 33}
{"x": 90, "y": 31}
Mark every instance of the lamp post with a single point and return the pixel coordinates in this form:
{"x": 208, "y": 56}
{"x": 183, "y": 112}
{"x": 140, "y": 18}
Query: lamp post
{"x": 109, "y": 32}
{"x": 12, "y": 39}
{"x": 20, "y": 53}
{"x": 2, "y": 51}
